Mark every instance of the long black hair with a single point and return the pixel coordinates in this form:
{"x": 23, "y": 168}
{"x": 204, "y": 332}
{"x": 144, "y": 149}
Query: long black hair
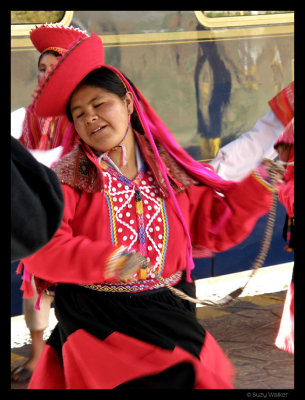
{"x": 106, "y": 79}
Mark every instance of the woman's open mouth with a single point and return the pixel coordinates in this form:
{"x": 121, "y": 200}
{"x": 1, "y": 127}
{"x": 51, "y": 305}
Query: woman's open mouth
{"x": 97, "y": 130}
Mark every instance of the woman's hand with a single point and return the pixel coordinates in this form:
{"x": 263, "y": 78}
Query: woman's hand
{"x": 274, "y": 172}
{"x": 122, "y": 265}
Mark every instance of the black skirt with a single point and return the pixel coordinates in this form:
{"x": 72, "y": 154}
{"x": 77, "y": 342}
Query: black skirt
{"x": 156, "y": 316}
{"x": 157, "y": 319}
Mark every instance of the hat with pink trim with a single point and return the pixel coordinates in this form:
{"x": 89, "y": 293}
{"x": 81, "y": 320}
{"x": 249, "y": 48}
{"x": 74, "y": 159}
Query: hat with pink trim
{"x": 81, "y": 57}
{"x": 55, "y": 37}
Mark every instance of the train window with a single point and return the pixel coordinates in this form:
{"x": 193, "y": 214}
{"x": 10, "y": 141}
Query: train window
{"x": 221, "y": 19}
{"x": 23, "y": 21}
{"x": 36, "y": 17}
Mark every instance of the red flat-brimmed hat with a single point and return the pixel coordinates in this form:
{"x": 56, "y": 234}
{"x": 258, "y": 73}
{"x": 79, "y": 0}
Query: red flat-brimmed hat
{"x": 55, "y": 37}
{"x": 81, "y": 58}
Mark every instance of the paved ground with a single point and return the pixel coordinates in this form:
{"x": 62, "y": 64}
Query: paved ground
{"x": 246, "y": 332}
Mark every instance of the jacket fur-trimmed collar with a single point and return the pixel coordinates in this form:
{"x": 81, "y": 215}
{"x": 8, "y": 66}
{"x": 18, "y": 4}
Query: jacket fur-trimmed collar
{"x": 79, "y": 168}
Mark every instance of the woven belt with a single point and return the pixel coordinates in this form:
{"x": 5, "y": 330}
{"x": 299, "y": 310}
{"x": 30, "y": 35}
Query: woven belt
{"x": 139, "y": 286}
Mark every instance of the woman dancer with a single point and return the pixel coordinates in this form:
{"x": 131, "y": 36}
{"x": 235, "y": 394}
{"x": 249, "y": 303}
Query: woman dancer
{"x": 135, "y": 204}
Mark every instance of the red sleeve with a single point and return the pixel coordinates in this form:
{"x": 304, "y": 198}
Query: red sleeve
{"x": 70, "y": 258}
{"x": 220, "y": 223}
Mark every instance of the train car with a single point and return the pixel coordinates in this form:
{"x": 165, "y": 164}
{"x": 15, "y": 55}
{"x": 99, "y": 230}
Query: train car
{"x": 208, "y": 74}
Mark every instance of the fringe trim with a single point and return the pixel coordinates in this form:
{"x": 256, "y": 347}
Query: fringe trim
{"x": 78, "y": 169}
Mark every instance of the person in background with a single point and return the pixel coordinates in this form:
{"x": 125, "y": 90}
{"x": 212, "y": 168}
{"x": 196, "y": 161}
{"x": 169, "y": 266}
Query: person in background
{"x": 36, "y": 212}
{"x": 47, "y": 139}
{"x": 36, "y": 202}
{"x": 285, "y": 148}
{"x": 235, "y": 160}
{"x": 271, "y": 137}
{"x": 43, "y": 135}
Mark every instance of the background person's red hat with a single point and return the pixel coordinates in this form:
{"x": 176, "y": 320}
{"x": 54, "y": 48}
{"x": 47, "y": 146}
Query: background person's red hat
{"x": 55, "y": 37}
{"x": 53, "y": 94}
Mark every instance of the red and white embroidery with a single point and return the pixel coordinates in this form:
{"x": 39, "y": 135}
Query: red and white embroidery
{"x": 124, "y": 218}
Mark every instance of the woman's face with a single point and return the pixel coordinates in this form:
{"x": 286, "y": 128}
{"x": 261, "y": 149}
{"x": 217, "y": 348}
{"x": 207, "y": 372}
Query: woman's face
{"x": 100, "y": 117}
{"x": 46, "y": 63}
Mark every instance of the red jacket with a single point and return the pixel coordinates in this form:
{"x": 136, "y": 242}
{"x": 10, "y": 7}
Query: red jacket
{"x": 78, "y": 252}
